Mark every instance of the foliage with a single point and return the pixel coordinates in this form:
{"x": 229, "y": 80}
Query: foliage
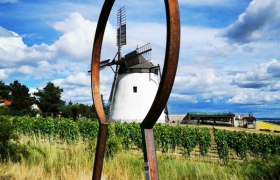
{"x": 9, "y": 149}
{"x": 88, "y": 129}
{"x": 4, "y": 90}
{"x": 4, "y": 111}
{"x": 21, "y": 99}
{"x": 49, "y": 99}
{"x": 77, "y": 111}
{"x": 244, "y": 144}
{"x": 222, "y": 144}
{"x": 112, "y": 147}
{"x": 168, "y": 138}
{"x": 204, "y": 140}
{"x": 189, "y": 139}
{"x": 68, "y": 130}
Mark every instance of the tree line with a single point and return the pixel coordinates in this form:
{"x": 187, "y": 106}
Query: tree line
{"x": 47, "y": 99}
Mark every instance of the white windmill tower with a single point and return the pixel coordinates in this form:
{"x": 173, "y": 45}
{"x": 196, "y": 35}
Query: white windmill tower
{"x": 136, "y": 80}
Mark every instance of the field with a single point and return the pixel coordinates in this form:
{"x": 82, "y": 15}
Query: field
{"x": 44, "y": 151}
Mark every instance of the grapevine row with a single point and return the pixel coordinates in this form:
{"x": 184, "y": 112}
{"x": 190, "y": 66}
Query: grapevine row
{"x": 246, "y": 144}
{"x": 168, "y": 138}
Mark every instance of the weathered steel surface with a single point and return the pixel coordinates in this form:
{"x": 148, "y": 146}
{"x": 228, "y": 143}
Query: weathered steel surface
{"x": 166, "y": 83}
{"x": 150, "y": 158}
{"x": 170, "y": 64}
{"x": 95, "y": 69}
{"x": 100, "y": 151}
{"x": 165, "y": 87}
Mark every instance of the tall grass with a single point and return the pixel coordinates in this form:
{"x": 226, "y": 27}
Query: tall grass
{"x": 52, "y": 158}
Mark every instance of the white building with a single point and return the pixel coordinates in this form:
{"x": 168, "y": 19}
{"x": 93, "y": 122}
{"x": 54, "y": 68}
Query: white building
{"x": 136, "y": 86}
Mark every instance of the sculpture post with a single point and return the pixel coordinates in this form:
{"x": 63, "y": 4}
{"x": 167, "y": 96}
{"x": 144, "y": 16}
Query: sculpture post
{"x": 159, "y": 103}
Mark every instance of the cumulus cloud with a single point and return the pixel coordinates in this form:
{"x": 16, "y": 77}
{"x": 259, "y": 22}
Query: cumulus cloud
{"x": 265, "y": 76}
{"x": 74, "y": 44}
{"x": 254, "y": 96}
{"x": 77, "y": 36}
{"x": 13, "y": 50}
{"x": 260, "y": 21}
{"x": 77, "y": 87}
{"x": 199, "y": 83}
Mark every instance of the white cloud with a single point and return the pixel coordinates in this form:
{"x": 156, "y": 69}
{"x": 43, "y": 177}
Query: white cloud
{"x": 254, "y": 96}
{"x": 259, "y": 85}
{"x": 13, "y": 50}
{"x": 26, "y": 69}
{"x": 260, "y": 21}
{"x": 77, "y": 37}
{"x": 77, "y": 87}
{"x": 186, "y": 98}
{"x": 265, "y": 76}
{"x": 80, "y": 79}
{"x": 75, "y": 43}
{"x": 198, "y": 83}
{"x": 3, "y": 74}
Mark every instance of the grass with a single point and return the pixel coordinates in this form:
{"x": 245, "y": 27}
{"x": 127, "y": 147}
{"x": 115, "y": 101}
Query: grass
{"x": 55, "y": 159}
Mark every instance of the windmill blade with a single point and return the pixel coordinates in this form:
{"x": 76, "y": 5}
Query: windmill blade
{"x": 104, "y": 63}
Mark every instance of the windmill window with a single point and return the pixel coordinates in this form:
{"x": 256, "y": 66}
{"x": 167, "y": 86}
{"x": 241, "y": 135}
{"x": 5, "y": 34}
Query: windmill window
{"x": 135, "y": 89}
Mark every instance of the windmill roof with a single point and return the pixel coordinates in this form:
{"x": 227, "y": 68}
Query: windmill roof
{"x": 132, "y": 59}
{"x": 146, "y": 65}
{"x": 134, "y": 62}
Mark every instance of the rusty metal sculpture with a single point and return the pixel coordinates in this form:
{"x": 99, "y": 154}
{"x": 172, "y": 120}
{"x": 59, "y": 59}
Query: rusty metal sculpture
{"x": 165, "y": 86}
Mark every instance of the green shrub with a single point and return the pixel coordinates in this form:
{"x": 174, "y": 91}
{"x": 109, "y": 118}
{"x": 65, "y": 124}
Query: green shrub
{"x": 222, "y": 144}
{"x": 189, "y": 139}
{"x": 9, "y": 147}
{"x": 68, "y": 130}
{"x": 113, "y": 146}
{"x": 204, "y": 140}
{"x": 88, "y": 129}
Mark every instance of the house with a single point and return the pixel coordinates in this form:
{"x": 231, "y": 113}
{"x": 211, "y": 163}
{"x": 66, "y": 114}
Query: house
{"x": 5, "y": 102}
{"x": 245, "y": 121}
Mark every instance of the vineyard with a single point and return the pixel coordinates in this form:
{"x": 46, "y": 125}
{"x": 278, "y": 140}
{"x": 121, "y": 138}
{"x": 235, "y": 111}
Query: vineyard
{"x": 168, "y": 138}
{"x": 63, "y": 149}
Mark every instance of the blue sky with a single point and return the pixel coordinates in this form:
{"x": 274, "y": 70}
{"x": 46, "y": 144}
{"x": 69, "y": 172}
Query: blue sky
{"x": 229, "y": 56}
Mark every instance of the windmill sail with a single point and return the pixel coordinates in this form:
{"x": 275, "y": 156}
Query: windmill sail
{"x": 121, "y": 27}
{"x": 121, "y": 41}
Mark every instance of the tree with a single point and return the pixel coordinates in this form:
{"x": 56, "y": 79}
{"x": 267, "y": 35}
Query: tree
{"x": 21, "y": 99}
{"x": 77, "y": 110}
{"x": 4, "y": 91}
{"x": 49, "y": 99}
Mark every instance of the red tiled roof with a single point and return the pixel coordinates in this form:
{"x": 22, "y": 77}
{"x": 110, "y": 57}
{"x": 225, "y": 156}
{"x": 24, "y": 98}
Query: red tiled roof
{"x": 7, "y": 103}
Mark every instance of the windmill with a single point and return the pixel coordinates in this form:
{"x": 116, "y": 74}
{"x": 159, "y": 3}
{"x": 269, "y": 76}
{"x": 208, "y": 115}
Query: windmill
{"x": 136, "y": 79}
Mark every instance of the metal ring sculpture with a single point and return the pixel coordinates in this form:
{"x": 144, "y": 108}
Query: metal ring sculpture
{"x": 159, "y": 103}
